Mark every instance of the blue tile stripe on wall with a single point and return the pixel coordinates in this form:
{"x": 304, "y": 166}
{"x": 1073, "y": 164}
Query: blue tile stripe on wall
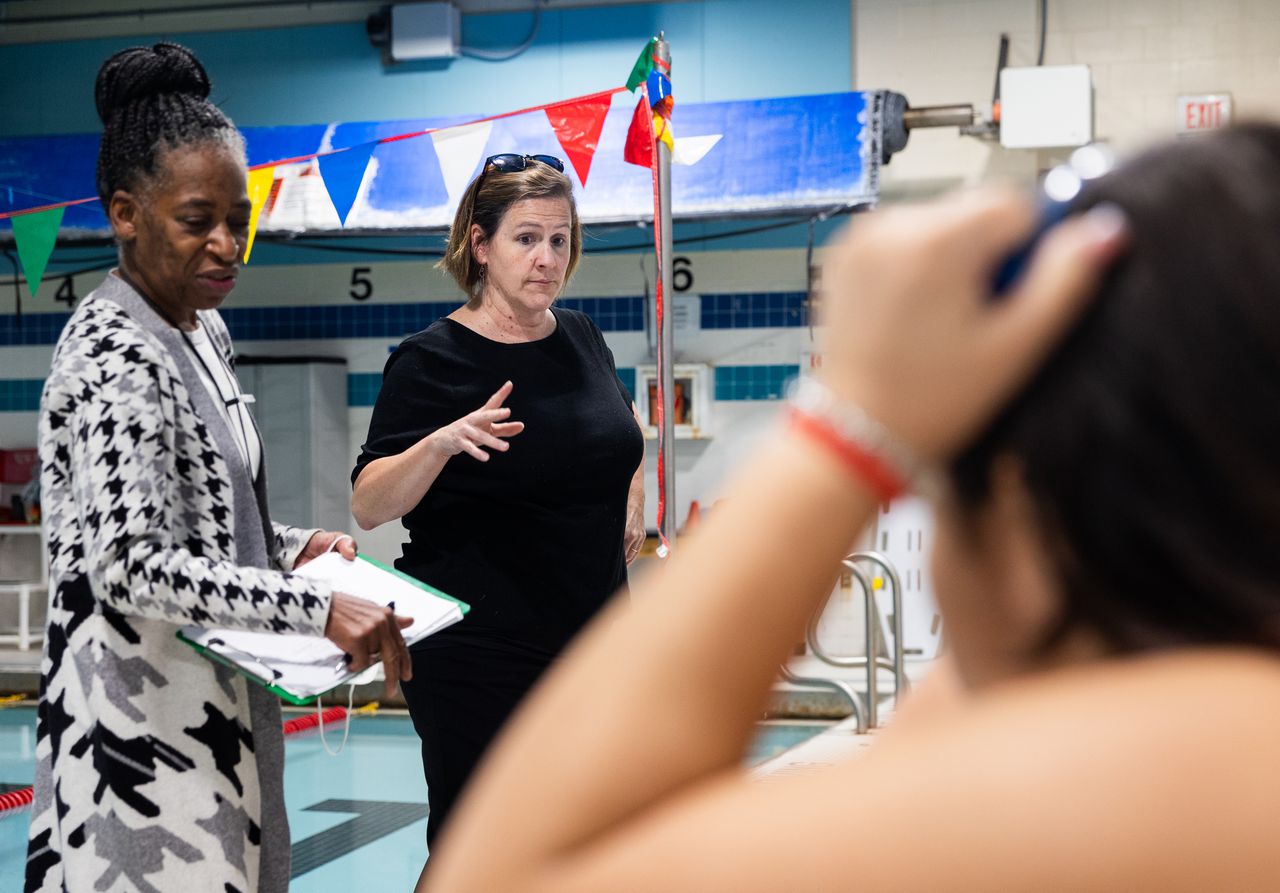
{"x": 20, "y": 394}
{"x": 755, "y": 310}
{"x": 33, "y": 329}
{"x": 627, "y": 375}
{"x": 363, "y": 387}
{"x": 396, "y": 320}
{"x": 302, "y": 323}
{"x": 732, "y": 383}
{"x": 754, "y": 382}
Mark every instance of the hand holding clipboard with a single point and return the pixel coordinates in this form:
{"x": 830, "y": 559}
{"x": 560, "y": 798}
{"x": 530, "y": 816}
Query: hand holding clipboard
{"x": 298, "y": 668}
{"x": 367, "y": 632}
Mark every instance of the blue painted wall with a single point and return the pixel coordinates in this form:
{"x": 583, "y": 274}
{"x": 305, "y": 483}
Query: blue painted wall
{"x": 722, "y": 49}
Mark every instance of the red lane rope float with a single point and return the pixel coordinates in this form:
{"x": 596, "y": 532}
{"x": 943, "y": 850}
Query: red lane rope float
{"x": 15, "y": 799}
{"x": 310, "y": 720}
{"x": 22, "y": 797}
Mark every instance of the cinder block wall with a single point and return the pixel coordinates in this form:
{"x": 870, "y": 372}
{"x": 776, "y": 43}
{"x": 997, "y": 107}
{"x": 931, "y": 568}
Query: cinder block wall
{"x": 1143, "y": 54}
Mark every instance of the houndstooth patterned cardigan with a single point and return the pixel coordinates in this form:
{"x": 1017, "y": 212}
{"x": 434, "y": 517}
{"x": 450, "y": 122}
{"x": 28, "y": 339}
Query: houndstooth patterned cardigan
{"x": 156, "y": 769}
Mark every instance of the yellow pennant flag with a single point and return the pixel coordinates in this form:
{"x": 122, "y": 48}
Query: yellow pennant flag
{"x": 260, "y": 182}
{"x": 662, "y": 132}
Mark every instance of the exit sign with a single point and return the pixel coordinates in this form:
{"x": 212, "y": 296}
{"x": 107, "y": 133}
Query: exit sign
{"x": 1207, "y": 111}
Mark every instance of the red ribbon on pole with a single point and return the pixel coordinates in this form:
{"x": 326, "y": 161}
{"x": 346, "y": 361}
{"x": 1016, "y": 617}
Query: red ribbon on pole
{"x": 645, "y": 113}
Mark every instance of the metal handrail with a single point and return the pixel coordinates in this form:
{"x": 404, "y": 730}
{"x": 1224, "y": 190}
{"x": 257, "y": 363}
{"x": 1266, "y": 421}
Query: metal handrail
{"x": 895, "y": 665}
{"x": 901, "y": 684}
{"x": 811, "y": 639}
{"x": 869, "y": 621}
{"x": 859, "y": 714}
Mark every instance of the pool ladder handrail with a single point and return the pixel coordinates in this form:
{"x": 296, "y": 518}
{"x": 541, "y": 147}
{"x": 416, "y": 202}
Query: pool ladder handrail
{"x": 871, "y": 624}
{"x": 836, "y": 685}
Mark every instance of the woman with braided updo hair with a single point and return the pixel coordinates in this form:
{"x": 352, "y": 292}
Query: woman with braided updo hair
{"x": 157, "y": 769}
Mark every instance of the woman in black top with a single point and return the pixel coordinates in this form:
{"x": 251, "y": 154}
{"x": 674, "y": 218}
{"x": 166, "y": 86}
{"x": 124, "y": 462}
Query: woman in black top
{"x": 535, "y": 534}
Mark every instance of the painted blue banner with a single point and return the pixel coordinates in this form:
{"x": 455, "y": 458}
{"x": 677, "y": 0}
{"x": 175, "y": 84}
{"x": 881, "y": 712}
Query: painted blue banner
{"x": 772, "y": 156}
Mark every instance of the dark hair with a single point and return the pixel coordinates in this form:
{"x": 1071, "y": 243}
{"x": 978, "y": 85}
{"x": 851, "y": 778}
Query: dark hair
{"x": 486, "y": 201}
{"x": 151, "y": 100}
{"x": 1150, "y": 442}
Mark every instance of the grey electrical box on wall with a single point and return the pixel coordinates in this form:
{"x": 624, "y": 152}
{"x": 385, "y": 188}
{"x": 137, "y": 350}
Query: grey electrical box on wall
{"x": 423, "y": 31}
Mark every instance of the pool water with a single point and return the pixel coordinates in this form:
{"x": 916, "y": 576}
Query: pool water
{"x": 358, "y": 820}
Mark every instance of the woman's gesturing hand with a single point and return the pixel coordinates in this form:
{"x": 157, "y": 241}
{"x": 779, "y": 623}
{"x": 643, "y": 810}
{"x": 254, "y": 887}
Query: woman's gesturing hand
{"x": 483, "y": 428}
{"x": 368, "y": 632}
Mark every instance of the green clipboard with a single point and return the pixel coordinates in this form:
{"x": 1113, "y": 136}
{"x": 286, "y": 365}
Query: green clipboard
{"x": 414, "y": 581}
{"x": 246, "y": 668}
{"x": 290, "y": 697}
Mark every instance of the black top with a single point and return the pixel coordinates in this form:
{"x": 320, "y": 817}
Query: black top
{"x": 533, "y": 538}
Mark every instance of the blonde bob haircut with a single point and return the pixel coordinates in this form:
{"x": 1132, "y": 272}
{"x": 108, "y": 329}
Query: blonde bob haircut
{"x": 486, "y": 202}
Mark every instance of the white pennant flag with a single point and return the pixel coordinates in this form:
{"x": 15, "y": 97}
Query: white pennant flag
{"x": 690, "y": 149}
{"x": 459, "y": 149}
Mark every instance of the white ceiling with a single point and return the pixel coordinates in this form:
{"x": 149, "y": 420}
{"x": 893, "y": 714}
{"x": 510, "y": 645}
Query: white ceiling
{"x": 33, "y": 21}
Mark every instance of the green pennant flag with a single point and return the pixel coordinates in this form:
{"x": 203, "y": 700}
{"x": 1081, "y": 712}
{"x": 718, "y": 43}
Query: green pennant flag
{"x": 644, "y": 65}
{"x": 36, "y": 235}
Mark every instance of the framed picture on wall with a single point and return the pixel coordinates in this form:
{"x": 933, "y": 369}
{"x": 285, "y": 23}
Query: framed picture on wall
{"x": 691, "y": 400}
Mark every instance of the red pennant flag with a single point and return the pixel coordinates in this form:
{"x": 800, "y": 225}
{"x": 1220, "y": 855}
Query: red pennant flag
{"x": 578, "y": 127}
{"x": 639, "y": 146}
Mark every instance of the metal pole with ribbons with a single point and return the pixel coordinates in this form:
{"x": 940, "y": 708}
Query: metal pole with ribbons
{"x": 666, "y": 339}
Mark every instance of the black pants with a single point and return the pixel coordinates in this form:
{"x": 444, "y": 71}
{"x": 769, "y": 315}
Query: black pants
{"x": 460, "y": 697}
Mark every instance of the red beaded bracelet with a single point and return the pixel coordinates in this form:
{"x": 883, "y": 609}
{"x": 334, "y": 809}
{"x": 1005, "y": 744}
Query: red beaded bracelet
{"x": 865, "y": 465}
{"x": 861, "y": 443}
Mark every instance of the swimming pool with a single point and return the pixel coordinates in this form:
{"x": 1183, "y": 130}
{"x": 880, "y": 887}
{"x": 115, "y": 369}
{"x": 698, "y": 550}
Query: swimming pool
{"x": 359, "y": 820}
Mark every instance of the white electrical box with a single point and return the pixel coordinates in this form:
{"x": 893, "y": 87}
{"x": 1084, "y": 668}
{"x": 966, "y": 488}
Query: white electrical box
{"x": 422, "y": 31}
{"x": 1046, "y": 106}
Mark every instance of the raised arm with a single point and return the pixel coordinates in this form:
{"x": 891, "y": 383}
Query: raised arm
{"x": 686, "y": 672}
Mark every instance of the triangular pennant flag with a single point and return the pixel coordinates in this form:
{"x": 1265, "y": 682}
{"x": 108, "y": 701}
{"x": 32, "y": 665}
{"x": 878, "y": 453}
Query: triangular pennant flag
{"x": 458, "y": 150}
{"x": 578, "y": 128}
{"x": 662, "y": 133}
{"x": 644, "y": 65}
{"x": 343, "y": 172}
{"x": 260, "y": 182}
{"x": 639, "y": 146}
{"x": 690, "y": 149}
{"x": 659, "y": 87}
{"x": 36, "y": 235}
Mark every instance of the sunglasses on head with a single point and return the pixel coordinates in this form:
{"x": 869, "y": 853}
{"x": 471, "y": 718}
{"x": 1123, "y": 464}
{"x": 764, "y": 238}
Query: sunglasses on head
{"x": 511, "y": 161}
